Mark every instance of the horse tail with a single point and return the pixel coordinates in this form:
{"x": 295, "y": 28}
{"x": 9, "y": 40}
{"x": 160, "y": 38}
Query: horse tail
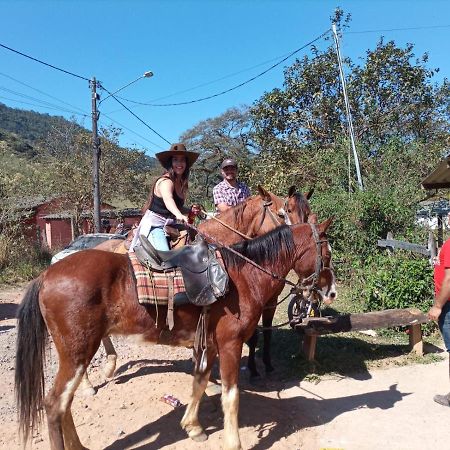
{"x": 32, "y": 339}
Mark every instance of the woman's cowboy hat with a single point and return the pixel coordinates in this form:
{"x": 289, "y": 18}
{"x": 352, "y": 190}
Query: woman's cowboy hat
{"x": 176, "y": 149}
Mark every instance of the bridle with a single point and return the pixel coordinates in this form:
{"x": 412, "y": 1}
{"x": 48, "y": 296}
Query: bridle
{"x": 310, "y": 283}
{"x": 265, "y": 211}
{"x": 275, "y": 219}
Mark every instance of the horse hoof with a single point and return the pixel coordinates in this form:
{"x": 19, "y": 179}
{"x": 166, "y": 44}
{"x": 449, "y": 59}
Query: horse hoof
{"x": 201, "y": 437}
{"x": 109, "y": 371}
{"x": 88, "y": 392}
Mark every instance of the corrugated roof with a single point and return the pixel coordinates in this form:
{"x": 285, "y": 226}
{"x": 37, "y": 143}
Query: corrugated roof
{"x": 440, "y": 177}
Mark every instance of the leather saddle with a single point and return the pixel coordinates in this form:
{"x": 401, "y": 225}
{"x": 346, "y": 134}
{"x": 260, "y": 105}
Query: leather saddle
{"x": 204, "y": 277}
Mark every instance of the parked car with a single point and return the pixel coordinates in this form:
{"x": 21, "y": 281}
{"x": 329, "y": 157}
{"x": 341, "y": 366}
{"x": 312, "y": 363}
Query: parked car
{"x": 83, "y": 242}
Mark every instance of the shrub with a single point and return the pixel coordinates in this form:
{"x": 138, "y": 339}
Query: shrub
{"x": 396, "y": 281}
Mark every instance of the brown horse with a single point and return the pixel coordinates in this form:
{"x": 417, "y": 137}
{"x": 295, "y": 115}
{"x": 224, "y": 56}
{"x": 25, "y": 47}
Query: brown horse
{"x": 91, "y": 294}
{"x": 254, "y": 217}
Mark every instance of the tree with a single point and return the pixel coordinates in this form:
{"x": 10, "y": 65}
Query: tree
{"x": 228, "y": 135}
{"x": 67, "y": 157}
{"x": 398, "y": 113}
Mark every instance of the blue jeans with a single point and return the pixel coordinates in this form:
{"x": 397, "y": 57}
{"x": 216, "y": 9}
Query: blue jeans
{"x": 444, "y": 325}
{"x": 158, "y": 239}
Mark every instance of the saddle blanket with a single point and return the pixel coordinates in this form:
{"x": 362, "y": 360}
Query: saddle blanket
{"x": 153, "y": 287}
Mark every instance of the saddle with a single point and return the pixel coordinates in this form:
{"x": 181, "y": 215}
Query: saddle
{"x": 204, "y": 277}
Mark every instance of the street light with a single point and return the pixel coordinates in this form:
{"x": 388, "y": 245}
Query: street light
{"x": 96, "y": 146}
{"x": 147, "y": 74}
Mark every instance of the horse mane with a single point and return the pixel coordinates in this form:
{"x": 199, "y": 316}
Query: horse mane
{"x": 265, "y": 248}
{"x": 238, "y": 213}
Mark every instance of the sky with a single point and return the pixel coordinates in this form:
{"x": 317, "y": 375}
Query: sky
{"x": 195, "y": 49}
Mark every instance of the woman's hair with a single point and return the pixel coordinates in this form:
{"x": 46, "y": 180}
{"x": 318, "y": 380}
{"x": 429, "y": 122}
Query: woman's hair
{"x": 169, "y": 173}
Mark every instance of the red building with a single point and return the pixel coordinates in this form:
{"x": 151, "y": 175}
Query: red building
{"x": 48, "y": 221}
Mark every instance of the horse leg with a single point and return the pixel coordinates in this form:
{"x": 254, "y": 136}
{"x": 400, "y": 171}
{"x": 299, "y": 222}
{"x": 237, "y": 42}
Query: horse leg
{"x": 267, "y": 320}
{"x": 229, "y": 356}
{"x": 190, "y": 421}
{"x": 58, "y": 401}
{"x": 251, "y": 363}
{"x": 86, "y": 388}
{"x": 111, "y": 356}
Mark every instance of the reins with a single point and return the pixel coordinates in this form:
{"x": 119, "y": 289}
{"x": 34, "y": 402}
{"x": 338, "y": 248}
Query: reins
{"x": 231, "y": 228}
{"x": 240, "y": 255}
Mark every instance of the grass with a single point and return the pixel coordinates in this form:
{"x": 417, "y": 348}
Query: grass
{"x": 342, "y": 354}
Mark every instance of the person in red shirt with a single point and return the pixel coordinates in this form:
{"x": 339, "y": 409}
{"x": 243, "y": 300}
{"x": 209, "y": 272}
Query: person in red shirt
{"x": 440, "y": 310}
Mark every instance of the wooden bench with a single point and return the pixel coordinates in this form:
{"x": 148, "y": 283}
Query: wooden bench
{"x": 317, "y": 326}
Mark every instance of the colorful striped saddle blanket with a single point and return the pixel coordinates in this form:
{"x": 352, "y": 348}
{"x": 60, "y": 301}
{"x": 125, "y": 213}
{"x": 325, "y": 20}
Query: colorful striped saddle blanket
{"x": 154, "y": 287}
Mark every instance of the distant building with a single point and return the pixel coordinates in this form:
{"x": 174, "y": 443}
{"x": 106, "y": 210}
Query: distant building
{"x": 47, "y": 221}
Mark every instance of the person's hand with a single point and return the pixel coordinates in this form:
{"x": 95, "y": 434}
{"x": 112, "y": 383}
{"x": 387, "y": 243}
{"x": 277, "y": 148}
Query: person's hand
{"x": 434, "y": 313}
{"x": 196, "y": 209}
{"x": 182, "y": 218}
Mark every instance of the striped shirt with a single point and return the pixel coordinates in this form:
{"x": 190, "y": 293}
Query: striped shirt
{"x": 231, "y": 196}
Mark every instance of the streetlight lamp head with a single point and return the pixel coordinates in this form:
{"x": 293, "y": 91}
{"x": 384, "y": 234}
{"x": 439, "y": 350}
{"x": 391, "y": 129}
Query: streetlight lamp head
{"x": 148, "y": 74}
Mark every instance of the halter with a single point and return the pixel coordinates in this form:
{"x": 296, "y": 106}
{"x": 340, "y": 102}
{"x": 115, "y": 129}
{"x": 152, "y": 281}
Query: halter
{"x": 273, "y": 217}
{"x": 265, "y": 210}
{"x": 310, "y": 283}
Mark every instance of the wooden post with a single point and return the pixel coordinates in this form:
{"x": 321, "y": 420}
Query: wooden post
{"x": 415, "y": 338}
{"x": 440, "y": 230}
{"x": 432, "y": 247}
{"x": 309, "y": 346}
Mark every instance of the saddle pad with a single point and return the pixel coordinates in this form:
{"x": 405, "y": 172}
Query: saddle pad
{"x": 153, "y": 287}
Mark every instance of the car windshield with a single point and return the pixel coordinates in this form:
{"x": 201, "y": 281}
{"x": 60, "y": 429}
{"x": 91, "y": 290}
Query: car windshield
{"x": 86, "y": 242}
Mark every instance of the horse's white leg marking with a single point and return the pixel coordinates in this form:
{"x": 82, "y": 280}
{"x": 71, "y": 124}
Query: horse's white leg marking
{"x": 190, "y": 421}
{"x": 70, "y": 388}
{"x": 111, "y": 356}
{"x": 85, "y": 387}
{"x": 230, "y": 406}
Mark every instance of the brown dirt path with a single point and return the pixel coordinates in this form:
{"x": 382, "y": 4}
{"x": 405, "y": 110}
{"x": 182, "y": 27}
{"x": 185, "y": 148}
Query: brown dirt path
{"x": 390, "y": 409}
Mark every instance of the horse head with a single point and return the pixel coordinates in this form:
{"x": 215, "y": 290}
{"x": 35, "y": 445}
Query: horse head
{"x": 313, "y": 266}
{"x": 296, "y": 205}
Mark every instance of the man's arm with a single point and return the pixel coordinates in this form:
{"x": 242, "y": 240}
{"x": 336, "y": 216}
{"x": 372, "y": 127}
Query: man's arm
{"x": 442, "y": 297}
{"x": 220, "y": 199}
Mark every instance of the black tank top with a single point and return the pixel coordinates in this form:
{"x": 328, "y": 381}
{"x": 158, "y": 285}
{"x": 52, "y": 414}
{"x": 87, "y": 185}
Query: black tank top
{"x": 159, "y": 207}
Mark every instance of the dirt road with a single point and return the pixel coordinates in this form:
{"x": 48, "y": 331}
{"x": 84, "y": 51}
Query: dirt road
{"x": 389, "y": 409}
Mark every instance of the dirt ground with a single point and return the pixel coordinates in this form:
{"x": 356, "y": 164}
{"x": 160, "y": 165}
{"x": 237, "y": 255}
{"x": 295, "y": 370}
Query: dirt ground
{"x": 389, "y": 409}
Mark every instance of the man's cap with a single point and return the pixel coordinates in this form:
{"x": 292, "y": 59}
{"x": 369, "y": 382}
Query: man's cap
{"x": 228, "y": 162}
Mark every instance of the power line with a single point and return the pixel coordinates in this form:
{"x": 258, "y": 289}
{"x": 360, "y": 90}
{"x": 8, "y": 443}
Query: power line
{"x": 41, "y": 92}
{"x": 44, "y": 63}
{"x": 131, "y": 131}
{"x": 132, "y": 113}
{"x": 216, "y": 80}
{"x": 430, "y": 27}
{"x": 42, "y": 102}
{"x": 237, "y": 86}
{"x": 40, "y": 106}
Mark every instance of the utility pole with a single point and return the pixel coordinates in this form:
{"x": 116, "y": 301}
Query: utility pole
{"x": 95, "y": 156}
{"x": 347, "y": 107}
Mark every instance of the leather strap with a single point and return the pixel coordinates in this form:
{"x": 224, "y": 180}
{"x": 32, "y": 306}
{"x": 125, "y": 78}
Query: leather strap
{"x": 170, "y": 321}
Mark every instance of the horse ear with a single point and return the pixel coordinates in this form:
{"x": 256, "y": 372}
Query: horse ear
{"x": 264, "y": 194}
{"x": 309, "y": 194}
{"x": 292, "y": 190}
{"x": 324, "y": 225}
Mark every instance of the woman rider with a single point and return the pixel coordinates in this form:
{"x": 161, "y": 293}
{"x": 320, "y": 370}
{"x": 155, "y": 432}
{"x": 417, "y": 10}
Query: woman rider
{"x": 166, "y": 200}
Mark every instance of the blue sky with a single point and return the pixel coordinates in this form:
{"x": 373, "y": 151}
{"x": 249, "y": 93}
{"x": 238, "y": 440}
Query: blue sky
{"x": 195, "y": 49}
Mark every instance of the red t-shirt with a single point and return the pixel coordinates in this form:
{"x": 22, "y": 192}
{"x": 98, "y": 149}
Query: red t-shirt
{"x": 442, "y": 263}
